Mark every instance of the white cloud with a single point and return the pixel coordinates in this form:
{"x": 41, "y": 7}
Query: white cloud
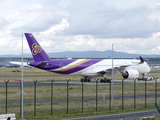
{"x": 36, "y": 7}
{"x": 132, "y": 26}
{"x": 57, "y": 28}
{"x": 155, "y": 35}
{"x": 105, "y": 21}
{"x": 11, "y": 17}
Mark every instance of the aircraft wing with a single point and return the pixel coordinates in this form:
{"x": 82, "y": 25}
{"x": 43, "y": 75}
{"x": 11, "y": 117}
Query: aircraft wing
{"x": 116, "y": 70}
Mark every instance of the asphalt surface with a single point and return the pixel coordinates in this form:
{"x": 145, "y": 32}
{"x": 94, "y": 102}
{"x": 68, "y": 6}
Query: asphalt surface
{"x": 155, "y": 71}
{"x": 29, "y": 84}
{"x": 123, "y": 116}
{"x": 17, "y": 83}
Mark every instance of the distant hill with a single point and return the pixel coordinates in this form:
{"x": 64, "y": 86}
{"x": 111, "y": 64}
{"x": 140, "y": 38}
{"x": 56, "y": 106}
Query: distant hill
{"x": 90, "y": 54}
{"x": 99, "y": 54}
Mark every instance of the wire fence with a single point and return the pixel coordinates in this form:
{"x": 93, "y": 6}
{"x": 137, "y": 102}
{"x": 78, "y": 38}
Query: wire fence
{"x": 82, "y": 97}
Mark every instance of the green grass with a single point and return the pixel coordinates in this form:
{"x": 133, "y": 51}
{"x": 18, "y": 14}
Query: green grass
{"x": 35, "y": 71}
{"x": 75, "y": 109}
{"x": 43, "y": 110}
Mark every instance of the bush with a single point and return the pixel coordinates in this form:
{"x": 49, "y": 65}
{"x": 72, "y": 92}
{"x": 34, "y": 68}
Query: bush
{"x": 16, "y": 70}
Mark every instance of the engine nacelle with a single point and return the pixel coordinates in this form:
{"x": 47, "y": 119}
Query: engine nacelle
{"x": 130, "y": 74}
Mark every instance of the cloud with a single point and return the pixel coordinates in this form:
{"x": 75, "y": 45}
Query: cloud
{"x": 3, "y": 22}
{"x": 103, "y": 21}
{"x": 57, "y": 28}
{"x": 80, "y": 25}
{"x": 11, "y": 17}
{"x": 38, "y": 19}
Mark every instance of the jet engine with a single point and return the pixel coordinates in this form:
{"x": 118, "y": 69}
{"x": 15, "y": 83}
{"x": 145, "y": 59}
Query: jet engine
{"x": 130, "y": 74}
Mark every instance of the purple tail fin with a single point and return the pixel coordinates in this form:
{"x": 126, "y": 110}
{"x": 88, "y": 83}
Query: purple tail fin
{"x": 38, "y": 53}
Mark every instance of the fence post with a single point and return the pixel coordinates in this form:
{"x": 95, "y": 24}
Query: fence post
{"x": 52, "y": 96}
{"x": 6, "y": 94}
{"x": 134, "y": 93}
{"x": 67, "y": 94}
{"x": 156, "y": 90}
{"x": 122, "y": 94}
{"x": 35, "y": 81}
{"x": 82, "y": 95}
{"x": 96, "y": 94}
{"x": 157, "y": 107}
{"x": 20, "y": 98}
{"x": 110, "y": 95}
{"x": 145, "y": 93}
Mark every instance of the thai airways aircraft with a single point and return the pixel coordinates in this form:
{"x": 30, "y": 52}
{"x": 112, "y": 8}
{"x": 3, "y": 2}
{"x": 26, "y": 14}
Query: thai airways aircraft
{"x": 88, "y": 68}
{"x": 19, "y": 63}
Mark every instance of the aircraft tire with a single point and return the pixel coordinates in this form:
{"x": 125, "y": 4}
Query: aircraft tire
{"x": 89, "y": 80}
{"x": 102, "y": 80}
{"x": 85, "y": 80}
{"x": 105, "y": 80}
{"x": 109, "y": 81}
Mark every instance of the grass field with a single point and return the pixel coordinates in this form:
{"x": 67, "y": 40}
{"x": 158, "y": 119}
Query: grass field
{"x": 43, "y": 110}
{"x": 30, "y": 72}
{"x": 35, "y": 71}
{"x": 59, "y": 109}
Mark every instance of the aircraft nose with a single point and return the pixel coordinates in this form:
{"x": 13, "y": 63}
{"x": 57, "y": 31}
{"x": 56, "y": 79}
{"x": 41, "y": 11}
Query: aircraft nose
{"x": 148, "y": 69}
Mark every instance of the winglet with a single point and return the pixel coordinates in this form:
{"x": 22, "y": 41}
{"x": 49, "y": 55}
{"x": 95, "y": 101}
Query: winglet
{"x": 142, "y": 60}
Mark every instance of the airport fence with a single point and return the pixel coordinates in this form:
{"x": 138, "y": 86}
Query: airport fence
{"x": 67, "y": 97}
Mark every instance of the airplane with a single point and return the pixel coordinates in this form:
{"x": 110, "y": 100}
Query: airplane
{"x": 19, "y": 63}
{"x": 87, "y": 68}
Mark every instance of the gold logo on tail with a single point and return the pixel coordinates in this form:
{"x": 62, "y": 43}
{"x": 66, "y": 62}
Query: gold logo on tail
{"x": 36, "y": 49}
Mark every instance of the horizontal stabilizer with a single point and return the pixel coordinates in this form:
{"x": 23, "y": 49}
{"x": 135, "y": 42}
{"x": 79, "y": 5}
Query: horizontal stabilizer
{"x": 43, "y": 63}
{"x": 39, "y": 64}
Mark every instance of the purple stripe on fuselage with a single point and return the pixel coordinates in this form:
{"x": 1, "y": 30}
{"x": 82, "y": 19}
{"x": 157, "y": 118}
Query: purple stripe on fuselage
{"x": 79, "y": 67}
{"x": 55, "y": 64}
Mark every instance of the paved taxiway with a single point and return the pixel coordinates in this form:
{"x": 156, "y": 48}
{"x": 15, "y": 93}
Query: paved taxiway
{"x": 122, "y": 116}
{"x": 71, "y": 82}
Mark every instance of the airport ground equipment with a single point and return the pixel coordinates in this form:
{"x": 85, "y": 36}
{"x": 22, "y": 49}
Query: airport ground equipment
{"x": 7, "y": 116}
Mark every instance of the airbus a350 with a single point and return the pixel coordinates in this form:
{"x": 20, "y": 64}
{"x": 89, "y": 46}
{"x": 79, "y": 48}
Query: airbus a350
{"x": 88, "y": 68}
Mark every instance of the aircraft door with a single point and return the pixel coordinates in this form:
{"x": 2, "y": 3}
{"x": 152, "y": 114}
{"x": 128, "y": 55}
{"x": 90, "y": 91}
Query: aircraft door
{"x": 61, "y": 64}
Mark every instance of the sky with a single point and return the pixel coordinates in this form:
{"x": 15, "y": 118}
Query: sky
{"x": 132, "y": 26}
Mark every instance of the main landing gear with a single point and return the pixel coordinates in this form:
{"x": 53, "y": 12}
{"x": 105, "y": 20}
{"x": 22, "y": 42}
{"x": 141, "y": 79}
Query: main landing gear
{"x": 85, "y": 79}
{"x": 105, "y": 80}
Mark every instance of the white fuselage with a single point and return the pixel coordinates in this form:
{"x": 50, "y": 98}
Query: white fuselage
{"x": 105, "y": 65}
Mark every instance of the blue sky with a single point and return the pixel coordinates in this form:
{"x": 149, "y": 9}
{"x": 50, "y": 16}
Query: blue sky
{"x": 133, "y": 26}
